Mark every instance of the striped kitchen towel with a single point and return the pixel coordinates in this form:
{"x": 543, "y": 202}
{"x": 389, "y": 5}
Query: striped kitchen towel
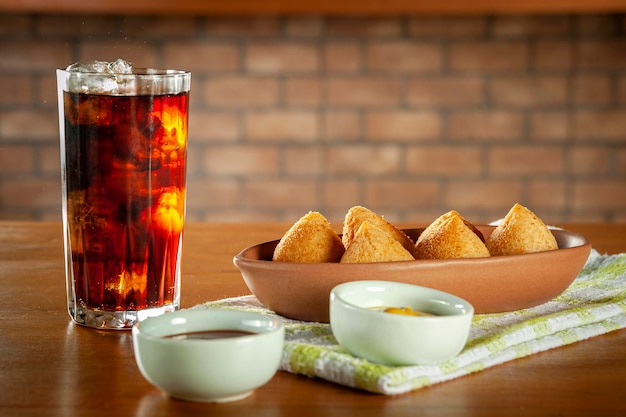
{"x": 594, "y": 304}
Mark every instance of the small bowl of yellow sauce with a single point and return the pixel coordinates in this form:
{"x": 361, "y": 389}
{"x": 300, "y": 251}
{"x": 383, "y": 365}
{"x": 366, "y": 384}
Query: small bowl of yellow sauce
{"x": 397, "y": 324}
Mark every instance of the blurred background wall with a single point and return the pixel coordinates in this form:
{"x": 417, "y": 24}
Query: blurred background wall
{"x": 409, "y": 116}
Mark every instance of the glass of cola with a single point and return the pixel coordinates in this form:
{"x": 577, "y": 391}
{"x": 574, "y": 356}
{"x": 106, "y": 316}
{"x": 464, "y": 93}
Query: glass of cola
{"x": 123, "y": 134}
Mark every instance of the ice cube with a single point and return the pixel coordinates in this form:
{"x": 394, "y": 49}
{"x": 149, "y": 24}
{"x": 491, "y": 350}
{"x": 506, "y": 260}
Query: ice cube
{"x": 106, "y": 80}
{"x": 119, "y": 66}
{"x": 88, "y": 66}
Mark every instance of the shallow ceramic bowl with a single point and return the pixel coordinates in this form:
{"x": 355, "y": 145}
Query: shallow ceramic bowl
{"x": 492, "y": 285}
{"x": 364, "y": 330}
{"x": 215, "y": 370}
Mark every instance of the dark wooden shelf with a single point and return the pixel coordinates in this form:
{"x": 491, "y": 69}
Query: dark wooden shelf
{"x": 315, "y": 7}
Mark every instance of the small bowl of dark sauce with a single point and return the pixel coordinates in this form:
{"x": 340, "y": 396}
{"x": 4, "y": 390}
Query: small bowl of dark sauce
{"x": 208, "y": 355}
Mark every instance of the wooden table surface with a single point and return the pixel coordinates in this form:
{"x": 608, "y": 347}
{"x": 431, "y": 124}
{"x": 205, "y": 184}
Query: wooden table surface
{"x": 51, "y": 367}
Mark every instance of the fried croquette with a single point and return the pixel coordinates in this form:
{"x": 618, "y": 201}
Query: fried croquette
{"x": 450, "y": 236}
{"x": 521, "y": 231}
{"x": 373, "y": 244}
{"x": 311, "y": 239}
{"x": 358, "y": 214}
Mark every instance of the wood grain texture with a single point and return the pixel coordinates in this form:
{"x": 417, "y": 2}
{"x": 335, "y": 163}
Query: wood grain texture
{"x": 52, "y": 367}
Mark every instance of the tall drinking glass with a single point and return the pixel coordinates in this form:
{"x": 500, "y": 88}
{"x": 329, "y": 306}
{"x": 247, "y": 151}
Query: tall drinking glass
{"x": 123, "y": 138}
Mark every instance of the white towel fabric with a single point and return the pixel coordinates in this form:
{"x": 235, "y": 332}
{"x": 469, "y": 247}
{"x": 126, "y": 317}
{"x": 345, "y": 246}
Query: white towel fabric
{"x": 594, "y": 304}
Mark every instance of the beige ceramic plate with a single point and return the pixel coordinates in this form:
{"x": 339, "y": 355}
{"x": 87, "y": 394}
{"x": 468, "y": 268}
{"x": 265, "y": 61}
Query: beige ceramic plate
{"x": 492, "y": 285}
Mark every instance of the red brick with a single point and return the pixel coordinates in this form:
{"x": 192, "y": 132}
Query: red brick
{"x": 277, "y": 57}
{"x": 477, "y": 194}
{"x": 292, "y": 214}
{"x": 158, "y": 26}
{"x": 205, "y": 126}
{"x": 279, "y": 125}
{"x": 49, "y": 160}
{"x": 303, "y": 91}
{"x": 15, "y": 90}
{"x": 342, "y": 125}
{"x": 530, "y": 26}
{"x": 451, "y": 27}
{"x": 31, "y": 193}
{"x": 202, "y": 57}
{"x": 415, "y": 217}
{"x": 549, "y": 125}
{"x": 304, "y": 26}
{"x": 31, "y": 125}
{"x": 76, "y": 25}
{"x": 363, "y": 91}
{"x": 446, "y": 91}
{"x": 196, "y": 96}
{"x": 403, "y": 125}
{"x": 45, "y": 94}
{"x": 607, "y": 55}
{"x": 525, "y": 161}
{"x": 240, "y": 214}
{"x": 617, "y": 217}
{"x": 371, "y": 27}
{"x": 534, "y": 91}
{"x": 34, "y": 56}
{"x": 486, "y": 125}
{"x": 140, "y": 54}
{"x": 242, "y": 27}
{"x": 280, "y": 194}
{"x": 26, "y": 214}
{"x": 241, "y": 160}
{"x": 444, "y": 161}
{"x": 205, "y": 193}
{"x": 239, "y": 91}
{"x": 392, "y": 193}
{"x": 547, "y": 194}
{"x": 403, "y": 56}
{"x": 552, "y": 55}
{"x": 596, "y": 25}
{"x": 342, "y": 57}
{"x": 489, "y": 57}
{"x": 363, "y": 160}
{"x": 609, "y": 125}
{"x": 585, "y": 160}
{"x": 585, "y": 216}
{"x": 621, "y": 89}
{"x": 16, "y": 159}
{"x": 599, "y": 194}
{"x": 621, "y": 160}
{"x": 592, "y": 89}
{"x": 341, "y": 194}
{"x": 303, "y": 161}
{"x": 49, "y": 214}
{"x": 348, "y": 110}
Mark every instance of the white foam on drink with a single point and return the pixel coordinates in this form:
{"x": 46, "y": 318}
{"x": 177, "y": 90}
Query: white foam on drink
{"x": 109, "y": 77}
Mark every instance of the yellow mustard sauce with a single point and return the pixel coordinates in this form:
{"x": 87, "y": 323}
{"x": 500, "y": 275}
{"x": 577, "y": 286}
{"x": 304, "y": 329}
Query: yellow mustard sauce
{"x": 406, "y": 311}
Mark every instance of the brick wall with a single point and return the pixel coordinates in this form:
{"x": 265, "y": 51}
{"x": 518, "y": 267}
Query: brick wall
{"x": 409, "y": 116}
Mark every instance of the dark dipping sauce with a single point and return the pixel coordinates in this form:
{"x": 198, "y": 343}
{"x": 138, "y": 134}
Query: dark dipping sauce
{"x": 209, "y": 334}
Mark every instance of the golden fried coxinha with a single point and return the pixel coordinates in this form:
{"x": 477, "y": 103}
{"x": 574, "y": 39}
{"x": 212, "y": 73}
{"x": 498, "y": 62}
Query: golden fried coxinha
{"x": 358, "y": 214}
{"x": 311, "y": 239}
{"x": 373, "y": 244}
{"x": 368, "y": 237}
{"x": 450, "y": 236}
{"x": 521, "y": 231}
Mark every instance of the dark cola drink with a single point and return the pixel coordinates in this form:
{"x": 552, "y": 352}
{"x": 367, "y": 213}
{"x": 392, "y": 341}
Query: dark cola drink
{"x": 124, "y": 163}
